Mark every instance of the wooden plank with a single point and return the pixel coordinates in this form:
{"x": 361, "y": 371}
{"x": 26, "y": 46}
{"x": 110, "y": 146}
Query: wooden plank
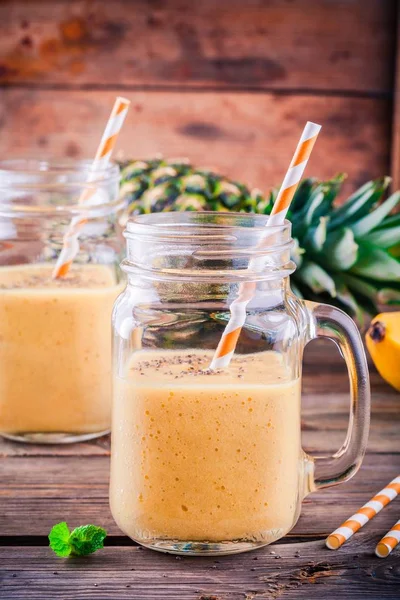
{"x": 302, "y": 44}
{"x": 75, "y": 489}
{"x": 395, "y": 163}
{"x": 247, "y": 136}
{"x": 296, "y": 571}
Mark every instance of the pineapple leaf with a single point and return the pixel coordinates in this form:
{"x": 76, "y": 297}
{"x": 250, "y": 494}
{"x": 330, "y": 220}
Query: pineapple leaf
{"x": 296, "y": 253}
{"x": 362, "y": 227}
{"x": 364, "y": 293}
{"x": 316, "y": 278}
{"x": 299, "y": 288}
{"x": 360, "y": 286}
{"x": 296, "y": 291}
{"x": 375, "y": 263}
{"x": 304, "y": 217}
{"x": 359, "y": 203}
{"x": 301, "y": 196}
{"x": 395, "y": 251}
{"x": 330, "y": 188}
{"x": 390, "y": 221}
{"x": 318, "y": 204}
{"x": 316, "y": 237}
{"x": 384, "y": 238}
{"x": 389, "y": 296}
{"x": 346, "y": 297}
{"x": 340, "y": 250}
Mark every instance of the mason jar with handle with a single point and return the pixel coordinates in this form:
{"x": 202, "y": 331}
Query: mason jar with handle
{"x": 210, "y": 461}
{"x": 55, "y": 334}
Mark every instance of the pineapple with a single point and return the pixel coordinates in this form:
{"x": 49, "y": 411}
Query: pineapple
{"x": 157, "y": 185}
{"x": 346, "y": 255}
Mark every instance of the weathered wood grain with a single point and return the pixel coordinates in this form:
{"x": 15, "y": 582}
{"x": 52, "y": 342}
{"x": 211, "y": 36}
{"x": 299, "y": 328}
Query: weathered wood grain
{"x": 297, "y": 570}
{"x": 395, "y": 162}
{"x": 247, "y": 136}
{"x": 298, "y": 44}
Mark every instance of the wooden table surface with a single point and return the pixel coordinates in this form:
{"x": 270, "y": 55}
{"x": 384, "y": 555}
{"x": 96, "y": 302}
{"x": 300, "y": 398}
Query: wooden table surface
{"x": 42, "y": 485}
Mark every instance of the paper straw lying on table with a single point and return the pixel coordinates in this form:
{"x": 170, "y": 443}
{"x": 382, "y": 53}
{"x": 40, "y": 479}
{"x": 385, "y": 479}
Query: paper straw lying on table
{"x": 363, "y": 515}
{"x": 227, "y": 343}
{"x": 389, "y": 542}
{"x": 101, "y": 160}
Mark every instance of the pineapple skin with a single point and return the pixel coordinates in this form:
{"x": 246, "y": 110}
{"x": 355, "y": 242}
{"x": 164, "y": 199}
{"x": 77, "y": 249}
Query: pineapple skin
{"x": 175, "y": 185}
{"x": 345, "y": 255}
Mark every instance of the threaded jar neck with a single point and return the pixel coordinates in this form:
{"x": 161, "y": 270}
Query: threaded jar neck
{"x": 31, "y": 187}
{"x": 209, "y": 246}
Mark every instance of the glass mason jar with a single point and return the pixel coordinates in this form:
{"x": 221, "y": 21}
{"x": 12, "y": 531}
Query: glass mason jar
{"x": 210, "y": 461}
{"x": 55, "y": 339}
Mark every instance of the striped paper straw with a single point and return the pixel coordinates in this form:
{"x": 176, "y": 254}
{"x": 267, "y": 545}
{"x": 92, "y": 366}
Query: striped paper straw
{"x": 71, "y": 243}
{"x": 389, "y": 542}
{"x": 363, "y": 515}
{"x": 228, "y": 341}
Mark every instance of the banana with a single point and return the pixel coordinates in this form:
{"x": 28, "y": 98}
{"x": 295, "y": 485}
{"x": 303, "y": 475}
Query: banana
{"x": 383, "y": 343}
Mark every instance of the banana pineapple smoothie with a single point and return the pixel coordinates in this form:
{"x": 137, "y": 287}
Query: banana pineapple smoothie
{"x": 55, "y": 349}
{"x": 200, "y": 455}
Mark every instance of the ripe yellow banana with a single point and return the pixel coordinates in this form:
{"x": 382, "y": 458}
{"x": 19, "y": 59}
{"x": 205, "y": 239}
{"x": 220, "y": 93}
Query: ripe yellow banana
{"x": 383, "y": 343}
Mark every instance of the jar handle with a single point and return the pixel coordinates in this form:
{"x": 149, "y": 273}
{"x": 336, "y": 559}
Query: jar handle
{"x": 332, "y": 323}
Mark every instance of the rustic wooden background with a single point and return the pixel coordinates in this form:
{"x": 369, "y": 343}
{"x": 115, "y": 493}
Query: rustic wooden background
{"x": 228, "y": 84}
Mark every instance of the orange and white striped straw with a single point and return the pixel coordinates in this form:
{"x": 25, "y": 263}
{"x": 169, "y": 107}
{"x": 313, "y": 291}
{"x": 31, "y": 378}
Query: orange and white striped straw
{"x": 389, "y": 542}
{"x": 228, "y": 341}
{"x": 71, "y": 243}
{"x": 363, "y": 515}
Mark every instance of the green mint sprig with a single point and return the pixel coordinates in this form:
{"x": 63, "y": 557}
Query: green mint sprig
{"x": 80, "y": 542}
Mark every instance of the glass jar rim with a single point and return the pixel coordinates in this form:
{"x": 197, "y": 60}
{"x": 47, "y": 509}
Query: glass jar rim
{"x": 68, "y": 178}
{"x": 242, "y": 240}
{"x": 11, "y": 170}
{"x": 169, "y": 224}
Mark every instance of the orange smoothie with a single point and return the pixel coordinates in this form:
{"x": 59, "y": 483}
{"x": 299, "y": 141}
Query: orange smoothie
{"x": 55, "y": 349}
{"x": 200, "y": 455}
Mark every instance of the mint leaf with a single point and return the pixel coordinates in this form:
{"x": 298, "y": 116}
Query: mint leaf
{"x": 82, "y": 541}
{"x": 87, "y": 539}
{"x": 59, "y": 539}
